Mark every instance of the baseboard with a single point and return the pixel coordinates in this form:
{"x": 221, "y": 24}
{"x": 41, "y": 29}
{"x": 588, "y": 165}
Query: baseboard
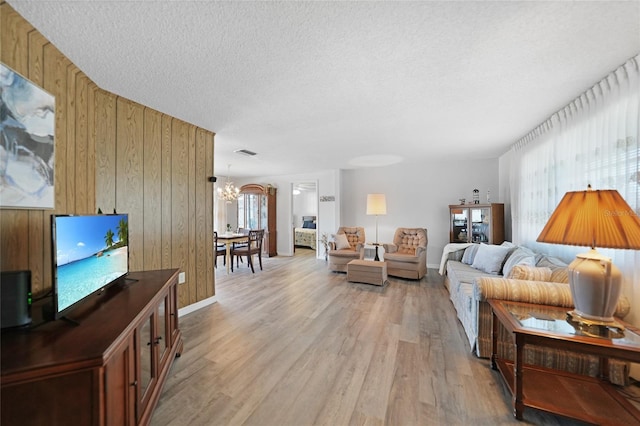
{"x": 196, "y": 306}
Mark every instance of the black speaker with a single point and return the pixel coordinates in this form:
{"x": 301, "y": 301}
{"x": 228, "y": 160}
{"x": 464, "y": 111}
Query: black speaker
{"x": 15, "y": 298}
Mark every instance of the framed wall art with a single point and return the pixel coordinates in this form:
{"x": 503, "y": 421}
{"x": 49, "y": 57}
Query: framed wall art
{"x": 26, "y": 143}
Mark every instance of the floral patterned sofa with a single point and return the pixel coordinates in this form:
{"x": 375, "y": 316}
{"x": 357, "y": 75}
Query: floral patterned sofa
{"x": 522, "y": 276}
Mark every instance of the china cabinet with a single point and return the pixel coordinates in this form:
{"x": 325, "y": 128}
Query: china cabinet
{"x": 476, "y": 223}
{"x": 257, "y": 210}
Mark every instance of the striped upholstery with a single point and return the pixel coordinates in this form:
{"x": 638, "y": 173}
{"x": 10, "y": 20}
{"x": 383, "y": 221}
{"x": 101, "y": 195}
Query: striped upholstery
{"x": 469, "y": 290}
{"x": 543, "y": 293}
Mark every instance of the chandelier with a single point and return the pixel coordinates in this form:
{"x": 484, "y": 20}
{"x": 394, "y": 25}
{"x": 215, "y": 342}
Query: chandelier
{"x": 230, "y": 191}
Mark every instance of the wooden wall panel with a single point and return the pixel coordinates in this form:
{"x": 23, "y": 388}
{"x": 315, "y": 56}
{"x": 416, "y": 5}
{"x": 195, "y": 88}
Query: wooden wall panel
{"x": 208, "y": 195}
{"x": 113, "y": 153}
{"x": 82, "y": 168}
{"x": 105, "y": 131}
{"x": 69, "y": 160}
{"x": 179, "y": 202}
{"x": 55, "y": 82}
{"x": 201, "y": 239}
{"x": 191, "y": 259}
{"x": 152, "y": 189}
{"x": 166, "y": 209}
{"x": 91, "y": 148}
{"x": 129, "y": 175}
{"x": 14, "y": 43}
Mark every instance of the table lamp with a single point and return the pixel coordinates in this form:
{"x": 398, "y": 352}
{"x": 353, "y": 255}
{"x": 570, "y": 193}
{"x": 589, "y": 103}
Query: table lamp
{"x": 593, "y": 218}
{"x": 376, "y": 205}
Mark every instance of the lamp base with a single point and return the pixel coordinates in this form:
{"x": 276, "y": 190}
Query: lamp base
{"x": 595, "y": 284}
{"x": 576, "y": 318}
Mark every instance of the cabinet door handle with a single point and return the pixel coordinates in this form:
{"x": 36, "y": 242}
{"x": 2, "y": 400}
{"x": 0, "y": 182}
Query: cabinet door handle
{"x": 135, "y": 383}
{"x": 158, "y": 339}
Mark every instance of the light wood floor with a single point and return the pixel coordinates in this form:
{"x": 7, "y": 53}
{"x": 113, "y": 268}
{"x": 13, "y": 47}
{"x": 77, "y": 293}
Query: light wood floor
{"x": 296, "y": 344}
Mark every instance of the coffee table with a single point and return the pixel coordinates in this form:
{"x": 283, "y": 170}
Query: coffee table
{"x": 580, "y": 397}
{"x": 367, "y": 271}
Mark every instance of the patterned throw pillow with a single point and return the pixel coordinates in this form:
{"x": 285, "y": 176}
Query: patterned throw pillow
{"x": 560, "y": 275}
{"x": 520, "y": 256}
{"x": 470, "y": 254}
{"x": 559, "y": 271}
{"x": 530, "y": 273}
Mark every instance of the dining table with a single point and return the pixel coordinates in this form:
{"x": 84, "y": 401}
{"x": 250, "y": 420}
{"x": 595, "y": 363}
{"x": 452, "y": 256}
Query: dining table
{"x": 228, "y": 238}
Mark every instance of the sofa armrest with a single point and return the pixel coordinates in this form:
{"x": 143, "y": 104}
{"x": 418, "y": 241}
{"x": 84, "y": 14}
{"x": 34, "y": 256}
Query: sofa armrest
{"x": 538, "y": 292}
{"x": 332, "y": 245}
{"x": 390, "y": 248}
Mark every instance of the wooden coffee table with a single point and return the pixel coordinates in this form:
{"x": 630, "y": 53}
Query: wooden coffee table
{"x": 584, "y": 398}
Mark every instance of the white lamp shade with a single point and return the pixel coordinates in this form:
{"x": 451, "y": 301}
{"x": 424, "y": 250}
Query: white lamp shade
{"x": 376, "y": 204}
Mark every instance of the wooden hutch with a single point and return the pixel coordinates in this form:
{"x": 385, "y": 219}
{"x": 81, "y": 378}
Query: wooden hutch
{"x": 257, "y": 210}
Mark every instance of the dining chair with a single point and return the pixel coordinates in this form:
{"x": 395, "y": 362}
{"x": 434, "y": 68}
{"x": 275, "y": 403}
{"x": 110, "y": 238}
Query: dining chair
{"x": 243, "y": 231}
{"x": 253, "y": 246}
{"x": 221, "y": 250}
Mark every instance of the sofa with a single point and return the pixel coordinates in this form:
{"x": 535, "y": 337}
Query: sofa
{"x": 476, "y": 273}
{"x": 406, "y": 257}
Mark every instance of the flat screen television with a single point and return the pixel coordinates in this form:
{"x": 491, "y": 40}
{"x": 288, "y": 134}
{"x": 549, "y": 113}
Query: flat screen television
{"x": 89, "y": 253}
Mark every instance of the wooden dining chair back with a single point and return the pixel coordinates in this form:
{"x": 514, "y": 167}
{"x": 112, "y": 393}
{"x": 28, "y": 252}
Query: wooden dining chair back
{"x": 243, "y": 231}
{"x": 253, "y": 246}
{"x": 221, "y": 250}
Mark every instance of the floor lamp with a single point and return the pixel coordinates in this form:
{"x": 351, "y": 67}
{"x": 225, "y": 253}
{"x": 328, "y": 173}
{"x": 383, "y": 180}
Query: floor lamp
{"x": 376, "y": 205}
{"x": 593, "y": 219}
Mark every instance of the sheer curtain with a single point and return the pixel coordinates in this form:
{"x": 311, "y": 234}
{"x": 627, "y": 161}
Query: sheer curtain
{"x": 593, "y": 140}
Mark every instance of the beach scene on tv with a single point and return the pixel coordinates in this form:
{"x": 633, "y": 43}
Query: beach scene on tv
{"x": 91, "y": 252}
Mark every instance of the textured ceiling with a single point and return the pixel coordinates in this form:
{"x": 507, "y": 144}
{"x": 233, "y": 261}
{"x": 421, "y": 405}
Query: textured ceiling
{"x": 317, "y": 85}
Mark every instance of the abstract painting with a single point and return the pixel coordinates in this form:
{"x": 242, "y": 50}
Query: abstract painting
{"x": 26, "y": 143}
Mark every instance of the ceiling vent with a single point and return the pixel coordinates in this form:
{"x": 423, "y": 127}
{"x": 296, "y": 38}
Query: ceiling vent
{"x": 245, "y": 152}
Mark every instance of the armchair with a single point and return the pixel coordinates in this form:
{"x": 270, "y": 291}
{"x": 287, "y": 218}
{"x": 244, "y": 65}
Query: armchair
{"x": 339, "y": 256}
{"x": 407, "y": 256}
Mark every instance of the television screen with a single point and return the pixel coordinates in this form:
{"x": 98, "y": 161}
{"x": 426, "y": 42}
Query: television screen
{"x": 89, "y": 253}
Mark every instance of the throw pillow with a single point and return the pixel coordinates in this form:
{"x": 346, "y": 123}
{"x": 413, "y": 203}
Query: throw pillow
{"x": 342, "y": 242}
{"x": 530, "y": 273}
{"x": 560, "y": 275}
{"x": 470, "y": 254}
{"x": 490, "y": 258}
{"x": 521, "y": 256}
{"x": 559, "y": 271}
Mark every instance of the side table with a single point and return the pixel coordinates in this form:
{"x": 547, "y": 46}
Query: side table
{"x": 376, "y": 245}
{"x": 584, "y": 398}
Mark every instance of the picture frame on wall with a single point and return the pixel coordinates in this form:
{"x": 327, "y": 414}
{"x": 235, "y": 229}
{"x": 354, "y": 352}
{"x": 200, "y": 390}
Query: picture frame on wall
{"x": 27, "y": 143}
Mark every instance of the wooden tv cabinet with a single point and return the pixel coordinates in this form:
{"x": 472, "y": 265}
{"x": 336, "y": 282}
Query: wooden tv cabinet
{"x": 108, "y": 369}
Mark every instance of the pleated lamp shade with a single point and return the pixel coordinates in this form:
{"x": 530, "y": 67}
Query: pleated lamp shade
{"x": 593, "y": 218}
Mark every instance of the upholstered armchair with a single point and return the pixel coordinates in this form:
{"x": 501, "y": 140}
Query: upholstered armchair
{"x": 407, "y": 256}
{"x": 348, "y": 246}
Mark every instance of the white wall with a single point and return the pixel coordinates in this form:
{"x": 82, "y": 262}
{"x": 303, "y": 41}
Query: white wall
{"x": 418, "y": 195}
{"x": 304, "y": 204}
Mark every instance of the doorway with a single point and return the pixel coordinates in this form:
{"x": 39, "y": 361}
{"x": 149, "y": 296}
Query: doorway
{"x": 304, "y": 217}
